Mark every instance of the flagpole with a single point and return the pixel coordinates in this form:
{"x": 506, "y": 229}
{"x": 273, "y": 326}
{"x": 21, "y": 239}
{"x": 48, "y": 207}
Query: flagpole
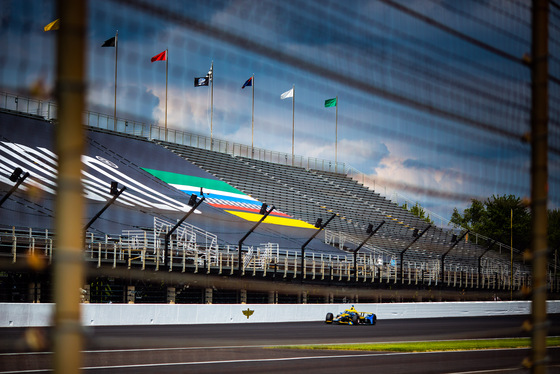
{"x": 166, "y": 70}
{"x": 116, "y": 59}
{"x": 211, "y": 105}
{"x": 293, "y": 127}
{"x": 253, "y": 115}
{"x": 336, "y": 137}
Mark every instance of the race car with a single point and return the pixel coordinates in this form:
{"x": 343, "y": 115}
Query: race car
{"x": 352, "y": 317}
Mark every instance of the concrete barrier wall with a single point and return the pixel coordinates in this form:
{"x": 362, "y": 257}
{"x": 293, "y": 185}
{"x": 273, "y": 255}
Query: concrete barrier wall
{"x": 22, "y": 315}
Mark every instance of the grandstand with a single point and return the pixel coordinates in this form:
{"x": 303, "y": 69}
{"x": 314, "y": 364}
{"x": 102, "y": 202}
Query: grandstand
{"x": 406, "y": 253}
{"x": 444, "y": 90}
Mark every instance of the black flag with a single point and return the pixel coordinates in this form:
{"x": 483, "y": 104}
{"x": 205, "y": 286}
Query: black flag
{"x": 109, "y": 42}
{"x": 201, "y": 81}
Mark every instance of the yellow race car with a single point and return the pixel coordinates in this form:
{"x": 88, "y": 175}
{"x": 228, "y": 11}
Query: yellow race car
{"x": 352, "y": 317}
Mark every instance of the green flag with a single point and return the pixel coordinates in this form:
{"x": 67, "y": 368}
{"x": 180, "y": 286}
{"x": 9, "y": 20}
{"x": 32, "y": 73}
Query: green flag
{"x": 330, "y": 102}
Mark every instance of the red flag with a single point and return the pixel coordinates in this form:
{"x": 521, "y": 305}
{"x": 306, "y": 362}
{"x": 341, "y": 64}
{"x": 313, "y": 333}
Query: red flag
{"x": 160, "y": 57}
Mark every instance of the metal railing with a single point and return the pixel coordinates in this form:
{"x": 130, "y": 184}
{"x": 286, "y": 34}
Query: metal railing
{"x": 268, "y": 259}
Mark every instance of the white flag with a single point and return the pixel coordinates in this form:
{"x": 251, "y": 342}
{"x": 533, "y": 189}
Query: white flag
{"x": 287, "y": 94}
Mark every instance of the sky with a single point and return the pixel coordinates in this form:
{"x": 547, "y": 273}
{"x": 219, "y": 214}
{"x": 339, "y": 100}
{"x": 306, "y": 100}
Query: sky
{"x": 432, "y": 102}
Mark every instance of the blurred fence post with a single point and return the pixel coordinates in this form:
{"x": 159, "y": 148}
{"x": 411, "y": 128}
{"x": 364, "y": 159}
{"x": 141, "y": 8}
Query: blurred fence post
{"x": 69, "y": 206}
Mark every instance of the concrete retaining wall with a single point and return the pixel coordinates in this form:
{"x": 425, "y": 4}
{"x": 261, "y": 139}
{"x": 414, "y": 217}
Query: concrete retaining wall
{"x": 16, "y": 314}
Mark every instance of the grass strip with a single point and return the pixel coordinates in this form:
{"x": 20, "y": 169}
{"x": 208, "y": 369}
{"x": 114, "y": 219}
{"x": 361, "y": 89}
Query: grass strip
{"x": 431, "y": 346}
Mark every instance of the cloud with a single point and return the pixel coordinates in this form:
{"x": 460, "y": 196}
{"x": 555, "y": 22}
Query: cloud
{"x": 360, "y": 153}
{"x": 190, "y": 110}
{"x": 402, "y": 173}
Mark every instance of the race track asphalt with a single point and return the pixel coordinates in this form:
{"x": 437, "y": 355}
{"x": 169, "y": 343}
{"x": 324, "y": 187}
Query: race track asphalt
{"x": 245, "y": 348}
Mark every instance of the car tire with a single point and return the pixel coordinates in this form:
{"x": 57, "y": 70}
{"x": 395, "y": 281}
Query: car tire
{"x": 373, "y": 320}
{"x": 355, "y": 319}
{"x": 329, "y": 318}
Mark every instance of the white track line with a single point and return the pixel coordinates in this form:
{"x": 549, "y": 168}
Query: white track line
{"x": 114, "y": 367}
{"x": 255, "y": 360}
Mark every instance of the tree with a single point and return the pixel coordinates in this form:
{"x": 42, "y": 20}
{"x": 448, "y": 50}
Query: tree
{"x": 508, "y": 217}
{"x": 493, "y": 218}
{"x": 418, "y": 211}
{"x": 554, "y": 229}
{"x": 472, "y": 216}
{"x": 553, "y": 234}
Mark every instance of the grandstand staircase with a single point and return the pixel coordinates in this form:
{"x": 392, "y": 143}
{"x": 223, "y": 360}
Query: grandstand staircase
{"x": 189, "y": 242}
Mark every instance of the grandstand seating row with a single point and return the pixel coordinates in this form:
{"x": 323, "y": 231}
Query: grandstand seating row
{"x": 310, "y": 194}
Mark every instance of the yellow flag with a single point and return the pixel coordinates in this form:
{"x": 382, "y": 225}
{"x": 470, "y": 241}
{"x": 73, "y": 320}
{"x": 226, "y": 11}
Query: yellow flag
{"x": 54, "y": 25}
